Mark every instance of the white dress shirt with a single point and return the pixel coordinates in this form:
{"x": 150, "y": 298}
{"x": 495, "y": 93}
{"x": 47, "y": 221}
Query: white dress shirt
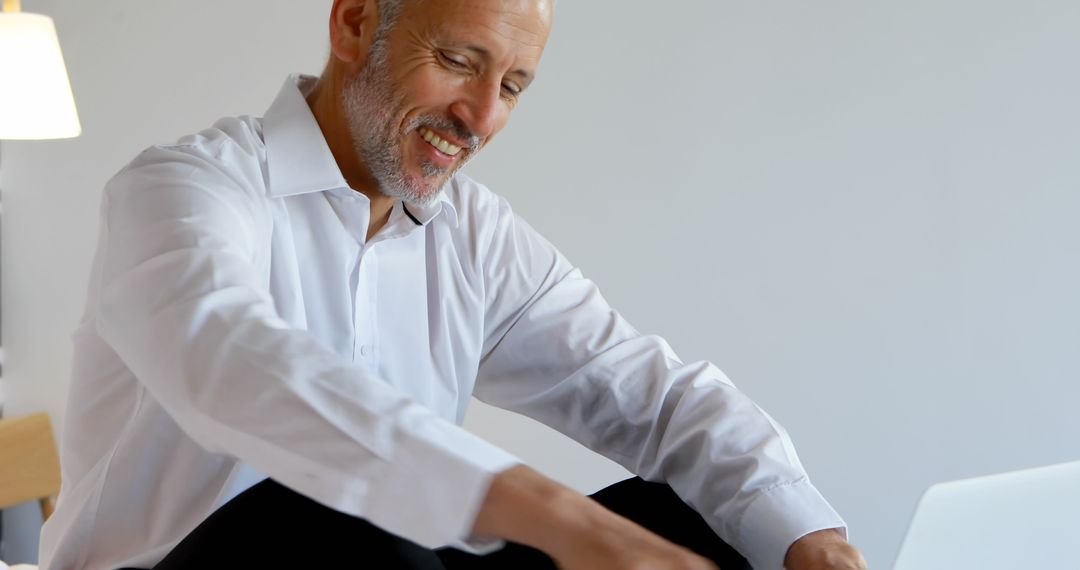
{"x": 240, "y": 326}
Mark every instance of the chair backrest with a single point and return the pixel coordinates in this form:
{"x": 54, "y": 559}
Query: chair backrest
{"x": 29, "y": 463}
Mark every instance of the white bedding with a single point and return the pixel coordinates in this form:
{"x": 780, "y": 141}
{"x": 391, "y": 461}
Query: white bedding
{"x": 17, "y": 566}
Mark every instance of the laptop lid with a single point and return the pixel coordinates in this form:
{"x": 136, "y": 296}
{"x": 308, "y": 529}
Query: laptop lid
{"x": 1017, "y": 520}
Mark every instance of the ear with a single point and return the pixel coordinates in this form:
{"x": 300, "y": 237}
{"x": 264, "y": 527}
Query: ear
{"x": 352, "y": 27}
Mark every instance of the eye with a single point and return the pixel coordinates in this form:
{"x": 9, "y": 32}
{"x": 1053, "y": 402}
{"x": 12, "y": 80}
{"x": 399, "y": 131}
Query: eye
{"x": 454, "y": 61}
{"x": 511, "y": 90}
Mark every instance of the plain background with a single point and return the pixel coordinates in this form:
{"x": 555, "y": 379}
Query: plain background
{"x": 866, "y": 213}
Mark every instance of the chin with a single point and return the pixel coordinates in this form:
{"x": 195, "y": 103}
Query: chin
{"x": 426, "y": 189}
{"x": 417, "y": 196}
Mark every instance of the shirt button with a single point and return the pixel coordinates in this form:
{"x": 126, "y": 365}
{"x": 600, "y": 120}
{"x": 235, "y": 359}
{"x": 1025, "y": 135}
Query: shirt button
{"x": 365, "y": 350}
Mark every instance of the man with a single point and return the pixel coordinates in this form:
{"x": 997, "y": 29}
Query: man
{"x": 287, "y": 316}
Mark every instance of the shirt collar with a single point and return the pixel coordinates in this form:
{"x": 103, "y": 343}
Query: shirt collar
{"x": 421, "y": 215}
{"x": 297, "y": 156}
{"x": 298, "y": 159}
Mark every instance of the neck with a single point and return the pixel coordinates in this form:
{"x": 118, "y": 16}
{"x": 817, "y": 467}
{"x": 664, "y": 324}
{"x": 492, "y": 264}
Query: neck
{"x": 326, "y": 107}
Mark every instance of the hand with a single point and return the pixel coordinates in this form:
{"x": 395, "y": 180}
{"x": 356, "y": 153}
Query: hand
{"x": 823, "y": 550}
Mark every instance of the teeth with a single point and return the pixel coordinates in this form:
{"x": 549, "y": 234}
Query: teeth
{"x": 443, "y": 146}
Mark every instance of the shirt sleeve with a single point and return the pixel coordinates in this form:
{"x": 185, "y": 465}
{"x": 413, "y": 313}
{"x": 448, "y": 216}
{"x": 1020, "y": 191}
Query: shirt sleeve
{"x": 557, "y": 352}
{"x": 185, "y": 307}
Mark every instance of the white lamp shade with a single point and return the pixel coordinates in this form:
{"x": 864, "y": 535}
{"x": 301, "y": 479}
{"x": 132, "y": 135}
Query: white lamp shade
{"x": 35, "y": 94}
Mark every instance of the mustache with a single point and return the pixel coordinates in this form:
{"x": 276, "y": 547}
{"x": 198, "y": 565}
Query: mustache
{"x": 471, "y": 140}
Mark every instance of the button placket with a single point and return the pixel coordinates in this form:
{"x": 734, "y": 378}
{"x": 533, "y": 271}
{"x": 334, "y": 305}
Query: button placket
{"x": 365, "y": 316}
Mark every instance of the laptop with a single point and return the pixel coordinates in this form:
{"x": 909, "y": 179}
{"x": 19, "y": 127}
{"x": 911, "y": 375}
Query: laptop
{"x": 1021, "y": 520}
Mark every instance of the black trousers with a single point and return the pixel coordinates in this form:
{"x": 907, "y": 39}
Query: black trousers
{"x": 271, "y": 526}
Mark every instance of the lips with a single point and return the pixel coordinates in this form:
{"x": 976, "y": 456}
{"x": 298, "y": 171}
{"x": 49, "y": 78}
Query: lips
{"x": 439, "y": 143}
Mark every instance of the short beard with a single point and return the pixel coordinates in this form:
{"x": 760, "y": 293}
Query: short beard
{"x": 370, "y": 105}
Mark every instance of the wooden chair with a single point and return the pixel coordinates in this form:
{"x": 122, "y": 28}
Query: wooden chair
{"x": 29, "y": 463}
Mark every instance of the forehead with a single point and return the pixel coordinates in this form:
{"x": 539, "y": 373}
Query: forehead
{"x": 514, "y": 28}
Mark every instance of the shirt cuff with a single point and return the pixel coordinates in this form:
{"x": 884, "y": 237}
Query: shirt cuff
{"x": 441, "y": 477}
{"x": 780, "y": 516}
{"x": 479, "y": 545}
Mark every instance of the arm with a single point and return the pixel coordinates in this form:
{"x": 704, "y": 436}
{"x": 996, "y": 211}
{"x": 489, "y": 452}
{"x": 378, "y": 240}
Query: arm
{"x": 184, "y": 304}
{"x": 579, "y": 534}
{"x": 559, "y": 354}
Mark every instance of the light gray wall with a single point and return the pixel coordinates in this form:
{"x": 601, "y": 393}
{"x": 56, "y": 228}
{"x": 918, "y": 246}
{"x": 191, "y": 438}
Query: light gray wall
{"x": 864, "y": 212}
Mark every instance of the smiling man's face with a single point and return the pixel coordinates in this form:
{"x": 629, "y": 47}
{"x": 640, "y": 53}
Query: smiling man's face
{"x": 439, "y": 86}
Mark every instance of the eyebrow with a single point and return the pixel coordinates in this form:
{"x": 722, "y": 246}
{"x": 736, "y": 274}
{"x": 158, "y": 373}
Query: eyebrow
{"x": 526, "y": 76}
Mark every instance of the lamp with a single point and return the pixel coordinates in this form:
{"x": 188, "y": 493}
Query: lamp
{"x": 35, "y": 94}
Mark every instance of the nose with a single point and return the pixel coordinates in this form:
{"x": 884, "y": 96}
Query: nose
{"x": 481, "y": 109}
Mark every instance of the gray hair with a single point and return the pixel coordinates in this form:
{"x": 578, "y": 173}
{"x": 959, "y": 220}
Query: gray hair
{"x": 389, "y": 13}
